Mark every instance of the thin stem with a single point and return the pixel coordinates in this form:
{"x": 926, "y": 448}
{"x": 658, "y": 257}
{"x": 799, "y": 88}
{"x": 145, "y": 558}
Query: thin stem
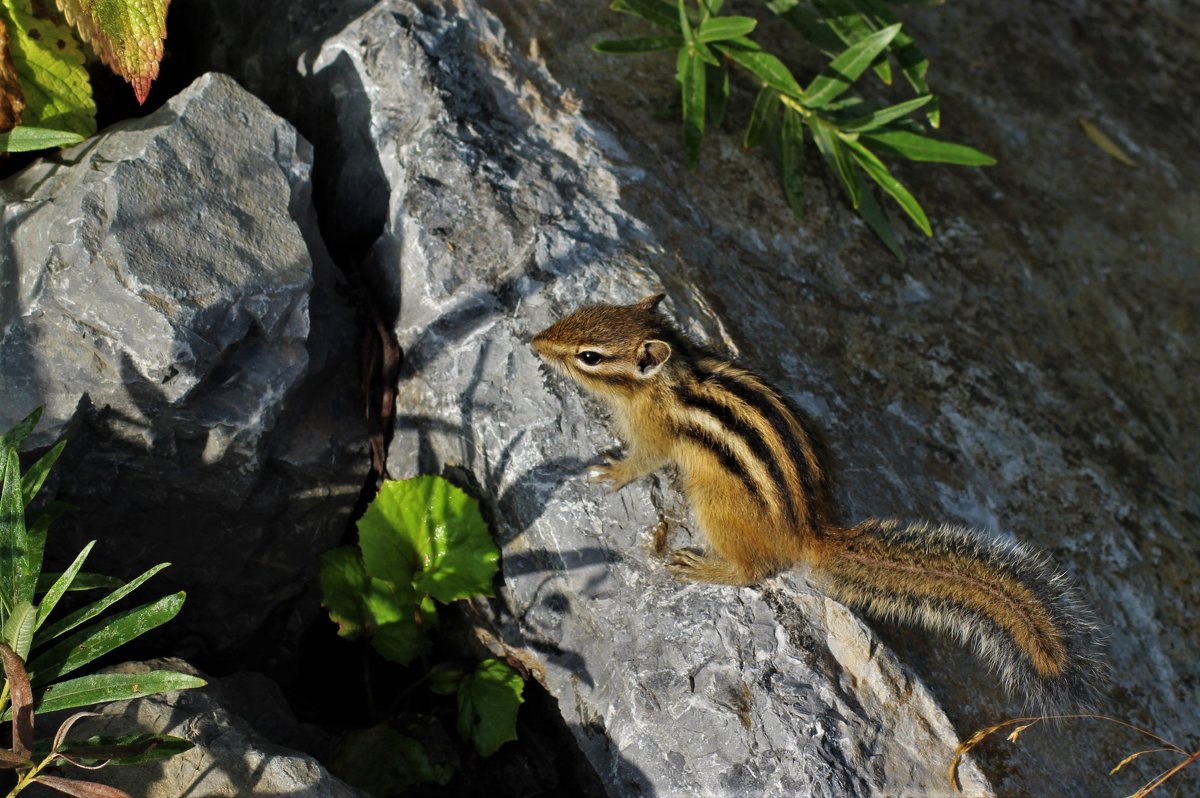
{"x": 32, "y": 775}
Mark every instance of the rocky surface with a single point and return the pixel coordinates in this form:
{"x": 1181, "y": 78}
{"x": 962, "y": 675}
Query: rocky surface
{"x": 160, "y": 303}
{"x": 229, "y": 758}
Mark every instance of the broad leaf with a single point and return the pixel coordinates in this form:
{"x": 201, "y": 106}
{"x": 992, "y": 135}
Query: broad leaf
{"x": 837, "y": 76}
{"x": 916, "y": 147}
{"x": 50, "y": 63}
{"x": 102, "y": 637}
{"x": 431, "y": 532}
{"x": 766, "y": 67}
{"x": 880, "y": 174}
{"x": 400, "y": 641}
{"x": 718, "y": 29}
{"x": 127, "y": 34}
{"x": 644, "y": 44}
{"x": 85, "y": 614}
{"x": 101, "y": 688}
{"x": 488, "y": 701}
{"x": 791, "y": 166}
{"x": 690, "y": 72}
{"x": 344, "y": 583}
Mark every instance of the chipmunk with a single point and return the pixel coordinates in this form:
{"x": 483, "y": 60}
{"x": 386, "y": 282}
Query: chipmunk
{"x": 760, "y": 494}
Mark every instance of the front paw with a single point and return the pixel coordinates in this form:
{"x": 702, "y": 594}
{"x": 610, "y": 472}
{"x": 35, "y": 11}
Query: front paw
{"x": 686, "y": 565}
{"x": 612, "y": 473}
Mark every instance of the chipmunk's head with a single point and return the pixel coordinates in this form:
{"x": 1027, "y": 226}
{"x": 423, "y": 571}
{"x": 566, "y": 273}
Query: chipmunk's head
{"x": 612, "y": 350}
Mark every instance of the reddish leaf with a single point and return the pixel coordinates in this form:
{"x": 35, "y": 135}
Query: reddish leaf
{"x": 9, "y": 760}
{"x": 22, "y": 700}
{"x": 12, "y": 101}
{"x": 82, "y": 789}
{"x": 128, "y": 35}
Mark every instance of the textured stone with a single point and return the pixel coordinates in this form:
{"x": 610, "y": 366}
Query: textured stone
{"x": 229, "y": 758}
{"x": 157, "y": 302}
{"x": 504, "y": 212}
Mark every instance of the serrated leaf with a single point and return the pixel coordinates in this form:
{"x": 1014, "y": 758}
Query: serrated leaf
{"x": 657, "y": 12}
{"x": 35, "y": 477}
{"x": 12, "y": 99}
{"x": 876, "y": 219}
{"x": 766, "y": 106}
{"x": 718, "y": 29}
{"x": 488, "y": 701}
{"x": 102, "y": 637}
{"x": 791, "y": 166}
{"x": 690, "y": 72}
{"x": 766, "y": 67}
{"x": 439, "y": 529}
{"x": 127, "y": 34}
{"x": 101, "y": 688}
{"x": 85, "y": 614}
{"x": 916, "y": 147}
{"x": 833, "y": 150}
{"x": 880, "y": 174}
{"x": 842, "y": 71}
{"x": 644, "y": 44}
{"x": 877, "y": 118}
{"x": 50, "y": 64}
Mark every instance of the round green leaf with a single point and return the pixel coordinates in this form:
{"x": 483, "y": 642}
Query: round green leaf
{"x": 488, "y": 700}
{"x": 400, "y": 641}
{"x": 343, "y": 584}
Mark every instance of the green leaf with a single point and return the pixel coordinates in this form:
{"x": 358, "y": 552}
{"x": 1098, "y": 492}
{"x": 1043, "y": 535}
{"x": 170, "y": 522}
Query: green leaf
{"x": 845, "y": 69}
{"x": 21, "y": 430}
{"x": 445, "y": 679}
{"x": 50, "y": 64}
{"x": 430, "y": 531}
{"x": 81, "y": 582}
{"x": 101, "y": 638}
{"x": 35, "y": 477}
{"x": 18, "y": 629}
{"x": 766, "y": 107}
{"x": 766, "y": 67}
{"x": 657, "y": 12}
{"x": 685, "y": 25}
{"x": 791, "y": 167}
{"x": 877, "y": 220}
{"x": 61, "y": 585}
{"x": 645, "y": 44}
{"x": 344, "y": 582}
{"x": 400, "y": 641}
{"x": 880, "y": 174}
{"x": 720, "y": 28}
{"x": 718, "y": 96}
{"x": 880, "y": 117}
{"x": 20, "y": 556}
{"x": 836, "y": 156}
{"x": 132, "y": 749}
{"x": 101, "y": 688}
{"x": 916, "y": 147}
{"x": 128, "y": 36}
{"x": 488, "y": 701}
{"x": 803, "y": 18}
{"x": 85, "y": 614}
{"x": 691, "y": 75}
{"x": 24, "y": 138}
{"x": 382, "y": 761}
{"x": 851, "y": 26}
{"x": 913, "y": 63}
{"x": 359, "y": 603}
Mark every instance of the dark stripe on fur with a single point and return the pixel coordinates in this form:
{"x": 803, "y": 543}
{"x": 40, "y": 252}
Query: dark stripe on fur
{"x": 724, "y": 455}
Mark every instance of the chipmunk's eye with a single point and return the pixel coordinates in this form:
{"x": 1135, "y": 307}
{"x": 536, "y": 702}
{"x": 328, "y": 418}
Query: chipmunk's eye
{"x": 590, "y": 358}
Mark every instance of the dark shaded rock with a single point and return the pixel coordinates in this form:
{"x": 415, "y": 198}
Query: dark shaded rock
{"x": 160, "y": 303}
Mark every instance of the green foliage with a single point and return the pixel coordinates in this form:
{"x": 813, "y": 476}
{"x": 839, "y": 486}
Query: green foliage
{"x": 55, "y": 90}
{"x": 27, "y": 637}
{"x": 422, "y": 540}
{"x": 383, "y": 761}
{"x": 849, "y": 132}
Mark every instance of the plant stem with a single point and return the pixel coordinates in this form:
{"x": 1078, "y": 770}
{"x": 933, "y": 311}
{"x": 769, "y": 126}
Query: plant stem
{"x": 32, "y": 775}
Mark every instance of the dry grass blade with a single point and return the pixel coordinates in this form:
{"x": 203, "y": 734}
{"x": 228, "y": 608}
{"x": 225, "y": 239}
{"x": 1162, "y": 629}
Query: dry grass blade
{"x": 1162, "y": 778}
{"x": 22, "y": 700}
{"x": 1102, "y": 140}
{"x": 1134, "y": 756}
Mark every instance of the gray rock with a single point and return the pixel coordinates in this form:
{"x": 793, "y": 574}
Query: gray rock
{"x": 505, "y": 211}
{"x": 157, "y": 302}
{"x": 229, "y": 757}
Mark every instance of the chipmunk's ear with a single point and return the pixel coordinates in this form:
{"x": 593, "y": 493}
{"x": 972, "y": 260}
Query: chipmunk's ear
{"x": 651, "y": 357}
{"x": 651, "y": 302}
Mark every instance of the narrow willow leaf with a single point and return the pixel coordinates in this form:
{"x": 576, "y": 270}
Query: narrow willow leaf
{"x": 101, "y": 688}
{"x": 21, "y": 694}
{"x": 18, "y": 629}
{"x": 692, "y": 89}
{"x": 657, "y": 12}
{"x": 100, "y": 638}
{"x": 81, "y": 789}
{"x": 845, "y": 69}
{"x": 802, "y": 17}
{"x": 913, "y": 63}
{"x": 133, "y": 749}
{"x": 50, "y": 63}
{"x": 766, "y": 67}
{"x": 706, "y": 54}
{"x": 852, "y": 26}
{"x": 1102, "y": 140}
{"x": 875, "y": 119}
{"x": 880, "y": 174}
{"x": 85, "y": 614}
{"x": 916, "y": 147}
{"x": 685, "y": 25}
{"x": 488, "y": 700}
{"x": 18, "y": 553}
{"x": 718, "y": 96}
{"x": 834, "y": 151}
{"x": 645, "y": 44}
{"x": 23, "y": 428}
{"x": 31, "y": 139}
{"x": 61, "y": 586}
{"x": 722, "y": 28}
{"x": 765, "y": 106}
{"x": 11, "y": 761}
{"x": 35, "y": 477}
{"x": 876, "y": 219}
{"x": 128, "y": 36}
{"x": 791, "y": 167}
{"x": 82, "y": 581}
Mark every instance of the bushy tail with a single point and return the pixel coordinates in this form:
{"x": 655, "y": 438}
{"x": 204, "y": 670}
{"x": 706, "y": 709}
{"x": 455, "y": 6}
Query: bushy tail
{"x": 1008, "y": 602}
